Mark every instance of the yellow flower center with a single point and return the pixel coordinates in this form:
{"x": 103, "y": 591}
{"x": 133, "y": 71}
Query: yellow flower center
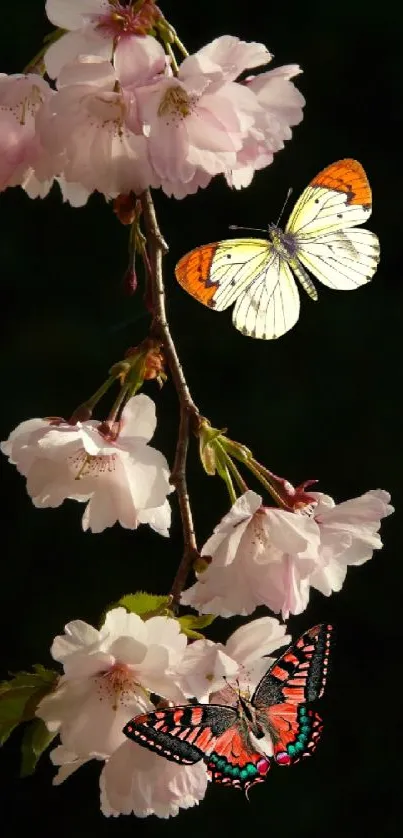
{"x": 176, "y": 102}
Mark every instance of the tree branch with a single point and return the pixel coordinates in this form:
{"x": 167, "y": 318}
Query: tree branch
{"x": 188, "y": 411}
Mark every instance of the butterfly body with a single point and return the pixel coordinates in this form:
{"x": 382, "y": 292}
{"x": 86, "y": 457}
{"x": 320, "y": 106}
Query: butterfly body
{"x": 320, "y": 237}
{"x": 232, "y": 740}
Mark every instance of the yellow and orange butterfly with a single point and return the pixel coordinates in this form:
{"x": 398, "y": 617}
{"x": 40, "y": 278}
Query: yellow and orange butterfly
{"x": 257, "y": 274}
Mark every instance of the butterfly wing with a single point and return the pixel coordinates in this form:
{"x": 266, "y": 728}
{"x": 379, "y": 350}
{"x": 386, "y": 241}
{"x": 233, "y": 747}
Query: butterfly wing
{"x": 269, "y": 307}
{"x": 336, "y": 200}
{"x": 216, "y": 274}
{"x": 283, "y": 696}
{"x": 250, "y": 272}
{"x": 211, "y": 732}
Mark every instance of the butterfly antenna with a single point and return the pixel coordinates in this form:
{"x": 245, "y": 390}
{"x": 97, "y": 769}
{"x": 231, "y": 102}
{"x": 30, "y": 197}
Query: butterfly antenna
{"x": 289, "y": 192}
{"x": 253, "y": 229}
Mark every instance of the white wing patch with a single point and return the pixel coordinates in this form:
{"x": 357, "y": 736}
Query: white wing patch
{"x": 270, "y": 306}
{"x": 341, "y": 260}
{"x": 236, "y": 264}
{"x": 321, "y": 210}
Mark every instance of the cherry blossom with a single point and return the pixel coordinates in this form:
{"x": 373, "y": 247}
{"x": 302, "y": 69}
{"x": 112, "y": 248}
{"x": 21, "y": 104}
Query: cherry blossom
{"x": 21, "y": 154}
{"x": 242, "y": 660}
{"x": 108, "y": 674}
{"x": 265, "y": 556}
{"x": 203, "y": 120}
{"x": 260, "y": 556}
{"x": 90, "y": 128}
{"x": 121, "y": 478}
{"x": 94, "y": 27}
{"x": 349, "y": 535}
{"x": 282, "y": 107}
{"x": 135, "y": 780}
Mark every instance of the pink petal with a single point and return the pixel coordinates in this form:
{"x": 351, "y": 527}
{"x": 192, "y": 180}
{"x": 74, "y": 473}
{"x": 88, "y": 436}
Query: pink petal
{"x": 74, "y": 44}
{"x": 229, "y": 54}
{"x": 138, "y": 59}
{"x": 71, "y": 14}
{"x": 138, "y": 419}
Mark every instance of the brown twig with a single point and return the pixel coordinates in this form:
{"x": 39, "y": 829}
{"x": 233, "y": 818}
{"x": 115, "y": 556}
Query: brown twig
{"x": 188, "y": 410}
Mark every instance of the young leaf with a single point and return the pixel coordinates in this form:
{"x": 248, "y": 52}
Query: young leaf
{"x": 145, "y": 605}
{"x": 5, "y": 729}
{"x": 35, "y": 741}
{"x": 189, "y": 624}
{"x": 20, "y": 696}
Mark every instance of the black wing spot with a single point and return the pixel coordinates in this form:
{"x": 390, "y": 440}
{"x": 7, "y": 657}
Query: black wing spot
{"x": 339, "y": 215}
{"x": 228, "y": 256}
{"x": 316, "y": 200}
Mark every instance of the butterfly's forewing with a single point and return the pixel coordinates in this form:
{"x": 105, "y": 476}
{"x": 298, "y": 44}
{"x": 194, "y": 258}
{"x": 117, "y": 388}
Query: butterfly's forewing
{"x": 339, "y": 197}
{"x": 210, "y": 732}
{"x": 336, "y": 200}
{"x": 295, "y": 680}
{"x": 270, "y": 306}
{"x": 216, "y": 274}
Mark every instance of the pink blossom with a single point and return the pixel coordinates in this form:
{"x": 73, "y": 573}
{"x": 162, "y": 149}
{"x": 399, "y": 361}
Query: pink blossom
{"x": 136, "y": 781}
{"x": 205, "y": 666}
{"x": 94, "y": 27}
{"x": 123, "y": 479}
{"x": 264, "y": 556}
{"x": 260, "y": 556}
{"x": 196, "y": 121}
{"x": 92, "y": 131}
{"x": 108, "y": 675}
{"x": 21, "y": 154}
{"x": 349, "y": 535}
{"x": 282, "y": 107}
{"x": 202, "y": 122}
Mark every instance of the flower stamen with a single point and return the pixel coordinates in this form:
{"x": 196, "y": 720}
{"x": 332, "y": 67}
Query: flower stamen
{"x": 176, "y": 102}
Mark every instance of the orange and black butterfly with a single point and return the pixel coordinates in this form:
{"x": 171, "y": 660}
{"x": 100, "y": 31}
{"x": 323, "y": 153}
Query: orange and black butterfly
{"x": 227, "y": 737}
{"x": 258, "y": 274}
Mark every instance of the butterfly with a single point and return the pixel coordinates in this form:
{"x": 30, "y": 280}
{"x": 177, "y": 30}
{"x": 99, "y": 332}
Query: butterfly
{"x": 257, "y": 274}
{"x": 226, "y": 737}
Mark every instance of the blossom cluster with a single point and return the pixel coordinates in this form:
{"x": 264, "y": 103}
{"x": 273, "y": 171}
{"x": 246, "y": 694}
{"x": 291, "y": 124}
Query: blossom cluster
{"x": 262, "y": 555}
{"x": 257, "y": 555}
{"x": 122, "y": 118}
{"x": 108, "y": 677}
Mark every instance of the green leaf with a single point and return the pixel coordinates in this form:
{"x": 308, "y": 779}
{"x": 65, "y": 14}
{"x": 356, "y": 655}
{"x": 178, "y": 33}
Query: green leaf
{"x": 189, "y": 624}
{"x": 20, "y": 696}
{"x": 35, "y": 741}
{"x": 5, "y": 729}
{"x": 145, "y": 605}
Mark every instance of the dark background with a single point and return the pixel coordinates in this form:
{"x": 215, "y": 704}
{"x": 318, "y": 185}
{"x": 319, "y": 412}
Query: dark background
{"x": 323, "y": 401}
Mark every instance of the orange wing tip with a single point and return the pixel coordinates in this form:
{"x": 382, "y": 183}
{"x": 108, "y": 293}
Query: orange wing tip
{"x": 193, "y": 273}
{"x": 346, "y": 176}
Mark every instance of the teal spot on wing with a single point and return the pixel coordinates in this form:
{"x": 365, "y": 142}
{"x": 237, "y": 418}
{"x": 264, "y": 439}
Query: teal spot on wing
{"x": 303, "y": 735}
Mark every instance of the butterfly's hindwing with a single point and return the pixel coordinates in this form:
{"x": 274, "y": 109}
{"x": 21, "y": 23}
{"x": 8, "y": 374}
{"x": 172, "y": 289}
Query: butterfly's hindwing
{"x": 234, "y": 761}
{"x": 269, "y": 307}
{"x": 210, "y": 732}
{"x": 342, "y": 260}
